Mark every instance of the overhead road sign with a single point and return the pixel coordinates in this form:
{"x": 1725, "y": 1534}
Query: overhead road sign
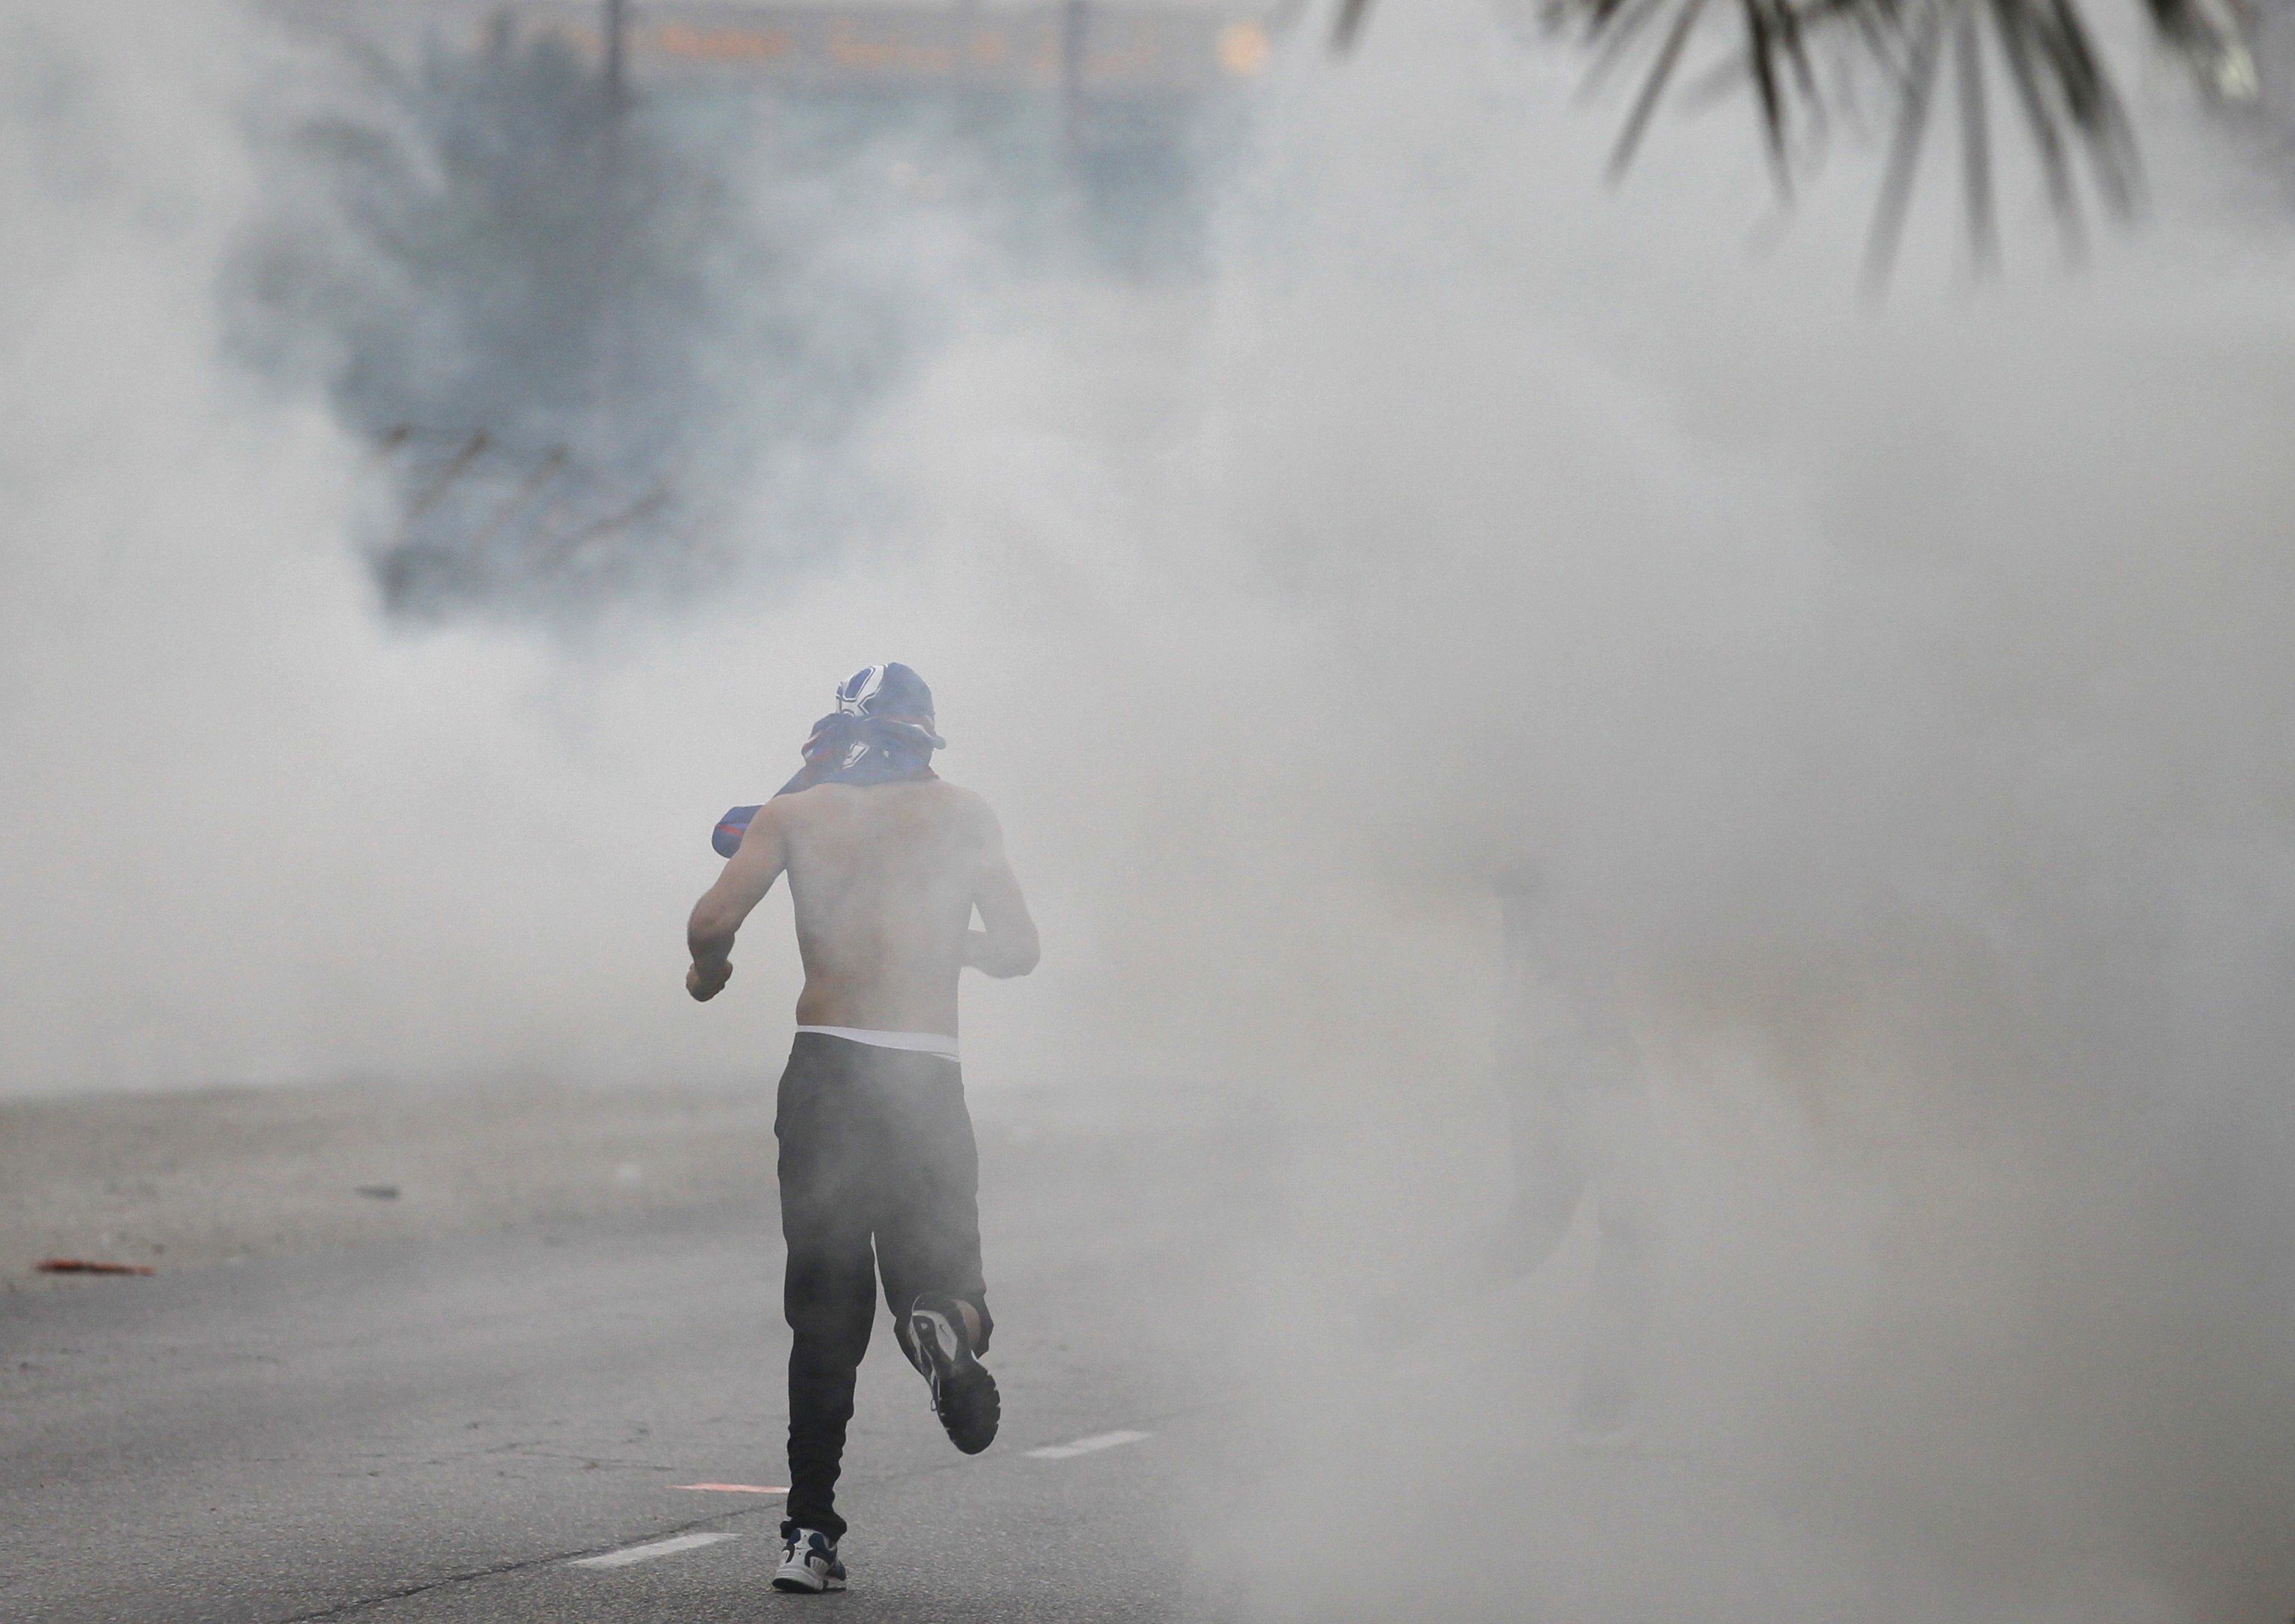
{"x": 1053, "y": 48}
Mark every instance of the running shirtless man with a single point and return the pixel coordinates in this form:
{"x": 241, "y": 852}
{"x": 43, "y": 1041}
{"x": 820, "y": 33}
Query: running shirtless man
{"x": 886, "y": 862}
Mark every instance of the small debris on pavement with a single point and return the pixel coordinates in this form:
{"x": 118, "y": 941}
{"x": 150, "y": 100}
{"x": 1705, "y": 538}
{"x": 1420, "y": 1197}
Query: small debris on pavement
{"x": 88, "y": 1266}
{"x": 376, "y": 1192}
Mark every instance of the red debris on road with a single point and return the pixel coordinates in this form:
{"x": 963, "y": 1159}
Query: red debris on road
{"x": 85, "y": 1266}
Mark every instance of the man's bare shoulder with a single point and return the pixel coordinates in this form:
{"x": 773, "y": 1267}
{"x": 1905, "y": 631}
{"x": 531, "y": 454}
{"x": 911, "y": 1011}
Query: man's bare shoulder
{"x": 968, "y": 808}
{"x": 961, "y": 807}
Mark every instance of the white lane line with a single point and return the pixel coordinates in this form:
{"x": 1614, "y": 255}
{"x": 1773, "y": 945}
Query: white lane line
{"x": 1085, "y": 1446}
{"x": 629, "y": 1553}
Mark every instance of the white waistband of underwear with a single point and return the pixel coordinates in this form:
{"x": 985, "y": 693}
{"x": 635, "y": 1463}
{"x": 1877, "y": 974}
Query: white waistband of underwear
{"x": 921, "y": 1042}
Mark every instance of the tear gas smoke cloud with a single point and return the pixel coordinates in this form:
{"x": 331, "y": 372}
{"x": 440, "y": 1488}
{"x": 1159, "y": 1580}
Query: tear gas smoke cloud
{"x": 1895, "y": 710}
{"x": 1893, "y": 706}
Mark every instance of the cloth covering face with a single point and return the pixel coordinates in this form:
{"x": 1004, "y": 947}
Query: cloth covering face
{"x": 881, "y": 732}
{"x": 862, "y": 750}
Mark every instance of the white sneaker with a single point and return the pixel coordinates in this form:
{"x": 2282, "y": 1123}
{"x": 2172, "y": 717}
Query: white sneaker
{"x": 964, "y": 1395}
{"x": 809, "y": 1562}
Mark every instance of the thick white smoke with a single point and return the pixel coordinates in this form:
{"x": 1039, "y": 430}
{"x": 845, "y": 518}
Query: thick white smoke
{"x": 263, "y": 835}
{"x": 1895, "y": 702}
{"x": 252, "y": 834}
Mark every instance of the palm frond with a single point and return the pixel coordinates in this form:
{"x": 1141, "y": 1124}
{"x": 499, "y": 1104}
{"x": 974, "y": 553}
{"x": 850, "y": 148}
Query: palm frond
{"x": 1652, "y": 91}
{"x": 2058, "y": 79}
{"x": 1975, "y": 140}
{"x": 2047, "y": 139}
{"x": 1904, "y": 150}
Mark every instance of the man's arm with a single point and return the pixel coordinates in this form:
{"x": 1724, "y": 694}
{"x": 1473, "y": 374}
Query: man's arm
{"x": 717, "y": 917}
{"x": 1007, "y": 946}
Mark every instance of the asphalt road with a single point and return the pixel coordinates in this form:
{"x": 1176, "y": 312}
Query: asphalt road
{"x": 445, "y": 1429}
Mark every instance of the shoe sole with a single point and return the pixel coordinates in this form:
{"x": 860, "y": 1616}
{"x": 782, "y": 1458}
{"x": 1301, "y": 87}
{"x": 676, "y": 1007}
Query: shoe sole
{"x": 964, "y": 1394}
{"x": 805, "y": 1584}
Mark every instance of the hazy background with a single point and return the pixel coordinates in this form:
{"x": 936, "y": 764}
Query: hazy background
{"x": 1896, "y": 699}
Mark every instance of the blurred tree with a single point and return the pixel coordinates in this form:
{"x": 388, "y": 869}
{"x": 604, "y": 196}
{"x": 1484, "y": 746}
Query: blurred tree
{"x": 578, "y": 324}
{"x": 507, "y": 254}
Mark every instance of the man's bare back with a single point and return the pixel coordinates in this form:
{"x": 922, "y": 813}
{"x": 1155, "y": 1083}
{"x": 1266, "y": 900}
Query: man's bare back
{"x": 884, "y": 878}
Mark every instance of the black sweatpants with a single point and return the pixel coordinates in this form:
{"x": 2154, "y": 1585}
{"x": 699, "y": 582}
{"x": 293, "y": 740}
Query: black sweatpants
{"x": 875, "y": 1145}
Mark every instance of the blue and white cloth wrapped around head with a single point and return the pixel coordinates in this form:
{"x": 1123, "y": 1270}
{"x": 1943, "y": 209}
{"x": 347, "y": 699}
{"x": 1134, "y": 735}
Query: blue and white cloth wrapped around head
{"x": 881, "y": 732}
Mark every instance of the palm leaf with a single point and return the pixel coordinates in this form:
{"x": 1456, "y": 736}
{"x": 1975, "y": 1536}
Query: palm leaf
{"x": 2056, "y": 77}
{"x": 1905, "y": 150}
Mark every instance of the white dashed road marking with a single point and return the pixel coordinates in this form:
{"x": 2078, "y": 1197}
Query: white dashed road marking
{"x": 1085, "y": 1446}
{"x": 629, "y": 1553}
